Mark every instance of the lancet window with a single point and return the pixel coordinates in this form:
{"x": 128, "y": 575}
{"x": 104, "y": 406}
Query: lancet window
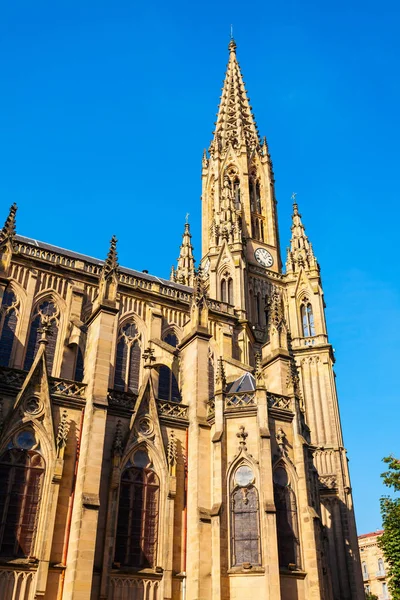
{"x": 307, "y": 318}
{"x": 21, "y": 482}
{"x": 245, "y": 518}
{"x": 236, "y": 193}
{"x": 45, "y": 321}
{"x": 286, "y": 520}
{"x": 127, "y": 364}
{"x": 8, "y": 325}
{"x": 227, "y": 289}
{"x": 138, "y": 514}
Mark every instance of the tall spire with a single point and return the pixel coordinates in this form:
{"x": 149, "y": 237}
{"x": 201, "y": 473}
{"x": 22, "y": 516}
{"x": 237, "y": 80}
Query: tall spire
{"x": 235, "y": 121}
{"x": 300, "y": 254}
{"x": 8, "y": 230}
{"x": 185, "y": 271}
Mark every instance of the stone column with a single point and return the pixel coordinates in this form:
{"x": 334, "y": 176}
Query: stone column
{"x": 101, "y": 331}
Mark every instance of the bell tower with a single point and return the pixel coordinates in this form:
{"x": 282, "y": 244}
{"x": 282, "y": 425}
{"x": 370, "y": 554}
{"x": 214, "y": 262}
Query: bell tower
{"x": 239, "y": 219}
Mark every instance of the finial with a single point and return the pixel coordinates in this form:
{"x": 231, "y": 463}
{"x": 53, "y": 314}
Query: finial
{"x": 148, "y": 357}
{"x": 242, "y": 435}
{"x": 232, "y": 43}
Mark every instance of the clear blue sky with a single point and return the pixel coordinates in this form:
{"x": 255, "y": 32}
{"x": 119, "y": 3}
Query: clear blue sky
{"x": 105, "y": 108}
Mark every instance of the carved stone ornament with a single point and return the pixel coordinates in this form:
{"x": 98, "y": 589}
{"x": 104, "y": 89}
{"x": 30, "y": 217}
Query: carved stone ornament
{"x": 62, "y": 433}
{"x": 118, "y": 442}
{"x": 242, "y": 435}
{"x": 281, "y": 440}
{"x": 144, "y": 426}
{"x": 32, "y": 405}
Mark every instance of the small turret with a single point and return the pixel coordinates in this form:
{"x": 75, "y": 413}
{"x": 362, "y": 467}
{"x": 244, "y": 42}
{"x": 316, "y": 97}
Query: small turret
{"x": 185, "y": 271}
{"x": 300, "y": 254}
{"x": 7, "y": 237}
{"x": 109, "y": 276}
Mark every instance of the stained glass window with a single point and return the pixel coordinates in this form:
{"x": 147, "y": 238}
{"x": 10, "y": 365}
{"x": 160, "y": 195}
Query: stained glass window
{"x": 171, "y": 339}
{"x": 21, "y": 480}
{"x": 8, "y": 325}
{"x": 137, "y": 526}
{"x": 245, "y": 520}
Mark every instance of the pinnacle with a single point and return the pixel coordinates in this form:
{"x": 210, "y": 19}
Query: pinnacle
{"x": 8, "y": 231}
{"x": 300, "y": 253}
{"x": 111, "y": 263}
{"x": 184, "y": 273}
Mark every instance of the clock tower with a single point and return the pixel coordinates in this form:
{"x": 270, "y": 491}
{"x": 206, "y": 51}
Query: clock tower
{"x": 240, "y": 243}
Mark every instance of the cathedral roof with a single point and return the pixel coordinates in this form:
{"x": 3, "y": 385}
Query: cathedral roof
{"x": 235, "y": 121}
{"x": 97, "y": 262}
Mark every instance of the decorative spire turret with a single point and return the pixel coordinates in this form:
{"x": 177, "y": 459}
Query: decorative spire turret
{"x": 9, "y": 230}
{"x": 300, "y": 254}
{"x": 185, "y": 271}
{"x": 111, "y": 263}
{"x": 235, "y": 121}
{"x": 7, "y": 237}
{"x": 109, "y": 276}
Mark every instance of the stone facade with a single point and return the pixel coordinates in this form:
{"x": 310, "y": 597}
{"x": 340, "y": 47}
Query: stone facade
{"x": 175, "y": 439}
{"x": 373, "y": 565}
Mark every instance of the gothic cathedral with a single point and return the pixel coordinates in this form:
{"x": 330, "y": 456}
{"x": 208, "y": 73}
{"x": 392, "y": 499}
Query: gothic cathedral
{"x": 181, "y": 439}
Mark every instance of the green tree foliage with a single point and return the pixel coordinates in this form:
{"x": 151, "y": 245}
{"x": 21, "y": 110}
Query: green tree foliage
{"x": 371, "y": 597}
{"x": 389, "y": 542}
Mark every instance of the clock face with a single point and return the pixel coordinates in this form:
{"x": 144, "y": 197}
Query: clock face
{"x": 263, "y": 257}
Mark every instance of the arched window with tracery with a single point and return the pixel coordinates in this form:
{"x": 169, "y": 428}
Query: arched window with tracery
{"x": 21, "y": 482}
{"x": 307, "y": 318}
{"x": 286, "y": 520}
{"x": 8, "y": 326}
{"x": 138, "y": 514}
{"x": 45, "y": 317}
{"x": 127, "y": 364}
{"x": 245, "y": 518}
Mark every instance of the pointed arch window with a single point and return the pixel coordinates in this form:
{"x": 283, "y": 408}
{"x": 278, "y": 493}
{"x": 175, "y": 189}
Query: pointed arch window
{"x": 224, "y": 296}
{"x": 258, "y": 197}
{"x": 8, "y": 326}
{"x": 236, "y": 193}
{"x": 168, "y": 388}
{"x": 307, "y": 318}
{"x": 286, "y": 520}
{"x": 138, "y": 514}
{"x": 230, "y": 291}
{"x": 45, "y": 315}
{"x": 21, "y": 482}
{"x": 171, "y": 339}
{"x": 127, "y": 364}
{"x": 245, "y": 518}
